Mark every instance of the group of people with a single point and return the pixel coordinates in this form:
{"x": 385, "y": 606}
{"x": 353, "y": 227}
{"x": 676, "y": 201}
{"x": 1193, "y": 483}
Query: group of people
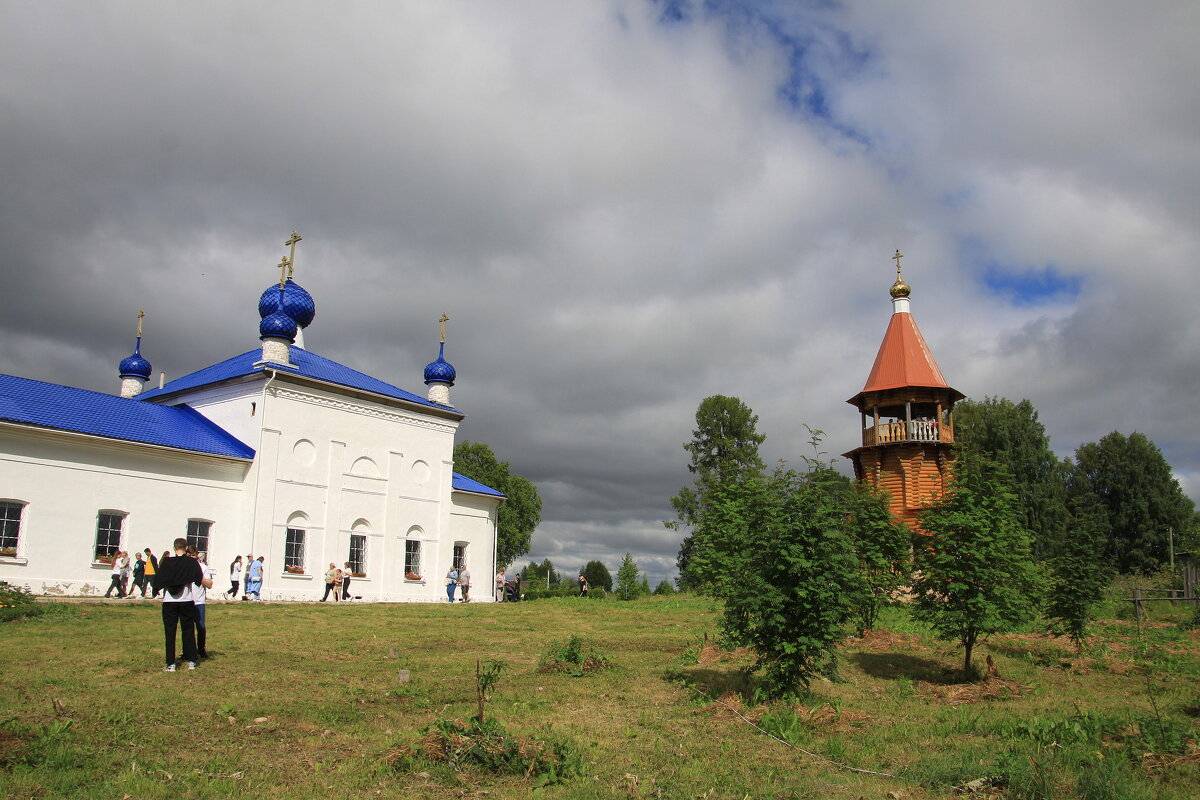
{"x": 508, "y": 590}
{"x": 141, "y": 570}
{"x": 459, "y": 578}
{"x": 338, "y": 582}
{"x": 254, "y": 578}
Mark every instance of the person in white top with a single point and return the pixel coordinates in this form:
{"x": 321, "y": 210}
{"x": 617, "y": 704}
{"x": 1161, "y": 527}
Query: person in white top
{"x": 464, "y": 584}
{"x": 119, "y": 565}
{"x": 200, "y": 598}
{"x": 235, "y": 578}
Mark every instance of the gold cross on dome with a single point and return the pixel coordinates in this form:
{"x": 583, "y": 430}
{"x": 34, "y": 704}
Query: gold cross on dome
{"x": 443, "y": 320}
{"x": 292, "y": 255}
{"x": 285, "y": 267}
{"x": 897, "y": 258}
{"x": 141, "y": 316}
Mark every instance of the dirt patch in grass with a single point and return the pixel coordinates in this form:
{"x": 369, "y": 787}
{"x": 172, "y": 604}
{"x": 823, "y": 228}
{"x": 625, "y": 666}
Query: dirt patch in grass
{"x": 963, "y": 693}
{"x": 881, "y": 641}
{"x": 711, "y": 654}
{"x": 11, "y": 745}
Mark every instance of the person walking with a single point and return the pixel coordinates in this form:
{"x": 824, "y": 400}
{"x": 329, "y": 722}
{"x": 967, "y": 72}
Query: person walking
{"x": 119, "y": 563}
{"x": 330, "y": 577}
{"x": 451, "y": 582}
{"x": 151, "y": 568}
{"x": 500, "y": 586}
{"x": 347, "y": 573}
{"x": 583, "y": 586}
{"x": 139, "y": 575}
{"x": 235, "y": 578}
{"x": 464, "y": 581}
{"x": 175, "y": 578}
{"x": 254, "y": 576}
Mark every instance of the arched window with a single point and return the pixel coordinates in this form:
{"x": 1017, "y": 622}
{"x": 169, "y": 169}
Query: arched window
{"x": 10, "y": 526}
{"x": 293, "y": 546}
{"x": 109, "y": 526}
{"x": 412, "y": 554}
{"x": 358, "y": 548}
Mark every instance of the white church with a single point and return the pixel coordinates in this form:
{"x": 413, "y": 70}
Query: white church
{"x": 276, "y": 452}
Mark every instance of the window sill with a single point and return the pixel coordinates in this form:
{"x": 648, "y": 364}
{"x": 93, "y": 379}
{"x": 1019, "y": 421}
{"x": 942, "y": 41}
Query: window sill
{"x": 409, "y": 580}
{"x": 102, "y": 565}
{"x": 295, "y": 577}
{"x": 15, "y": 560}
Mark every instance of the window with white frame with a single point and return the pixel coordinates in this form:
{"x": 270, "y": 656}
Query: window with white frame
{"x": 358, "y": 554}
{"x": 108, "y": 534}
{"x": 10, "y": 527}
{"x": 460, "y": 554}
{"x": 412, "y": 559}
{"x": 197, "y": 534}
{"x": 293, "y": 551}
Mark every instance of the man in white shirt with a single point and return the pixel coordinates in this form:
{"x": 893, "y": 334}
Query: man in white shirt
{"x": 176, "y": 576}
{"x": 464, "y": 583}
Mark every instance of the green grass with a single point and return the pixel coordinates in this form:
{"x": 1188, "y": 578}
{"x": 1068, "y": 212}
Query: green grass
{"x": 305, "y": 701}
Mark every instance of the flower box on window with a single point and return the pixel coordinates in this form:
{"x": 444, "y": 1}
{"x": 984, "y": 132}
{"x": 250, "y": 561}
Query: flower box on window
{"x": 8, "y": 551}
{"x": 412, "y": 576}
{"x": 104, "y": 560}
{"x": 293, "y": 569}
{"x": 358, "y": 574}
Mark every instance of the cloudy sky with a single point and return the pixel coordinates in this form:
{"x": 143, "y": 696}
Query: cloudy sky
{"x": 624, "y": 206}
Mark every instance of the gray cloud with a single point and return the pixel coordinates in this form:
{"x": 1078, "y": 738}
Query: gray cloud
{"x": 622, "y": 215}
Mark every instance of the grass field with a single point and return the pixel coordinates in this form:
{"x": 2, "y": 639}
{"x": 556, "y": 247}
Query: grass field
{"x": 305, "y": 701}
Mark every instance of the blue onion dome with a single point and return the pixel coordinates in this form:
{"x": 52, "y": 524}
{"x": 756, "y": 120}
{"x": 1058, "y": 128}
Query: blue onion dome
{"x": 440, "y": 371}
{"x": 297, "y": 303}
{"x": 278, "y": 325}
{"x": 135, "y": 366}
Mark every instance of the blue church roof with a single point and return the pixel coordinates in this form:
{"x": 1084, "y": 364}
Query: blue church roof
{"x": 49, "y": 405}
{"x": 464, "y": 484}
{"x": 304, "y": 362}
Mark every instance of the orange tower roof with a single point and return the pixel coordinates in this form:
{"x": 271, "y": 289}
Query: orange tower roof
{"x": 903, "y": 358}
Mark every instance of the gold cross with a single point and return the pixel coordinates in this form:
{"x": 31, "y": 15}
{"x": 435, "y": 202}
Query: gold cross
{"x": 897, "y": 258}
{"x": 292, "y": 255}
{"x": 443, "y": 319}
{"x": 141, "y": 316}
{"x": 285, "y": 267}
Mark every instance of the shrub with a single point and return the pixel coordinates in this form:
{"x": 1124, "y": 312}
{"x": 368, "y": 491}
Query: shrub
{"x": 572, "y": 658}
{"x": 488, "y": 746}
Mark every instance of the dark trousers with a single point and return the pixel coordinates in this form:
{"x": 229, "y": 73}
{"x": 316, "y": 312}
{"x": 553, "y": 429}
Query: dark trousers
{"x": 181, "y": 615}
{"x": 117, "y": 584}
{"x": 201, "y": 630}
{"x": 233, "y": 590}
{"x": 329, "y": 588}
{"x": 345, "y": 588}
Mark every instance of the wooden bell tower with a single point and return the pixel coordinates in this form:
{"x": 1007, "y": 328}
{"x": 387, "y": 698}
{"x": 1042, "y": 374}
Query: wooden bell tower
{"x": 907, "y": 411}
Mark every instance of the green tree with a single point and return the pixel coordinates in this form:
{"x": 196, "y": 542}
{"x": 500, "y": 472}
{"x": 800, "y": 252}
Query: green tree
{"x": 1141, "y": 500}
{"x": 1012, "y": 435}
{"x": 1079, "y": 571}
{"x": 724, "y": 448}
{"x": 536, "y": 574}
{"x": 974, "y": 571}
{"x": 597, "y": 575}
{"x": 629, "y": 583}
{"x": 882, "y": 545}
{"x": 792, "y": 574}
{"x": 665, "y": 587}
{"x": 521, "y": 510}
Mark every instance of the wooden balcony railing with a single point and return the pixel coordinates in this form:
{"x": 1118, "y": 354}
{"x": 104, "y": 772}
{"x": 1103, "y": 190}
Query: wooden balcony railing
{"x": 915, "y": 431}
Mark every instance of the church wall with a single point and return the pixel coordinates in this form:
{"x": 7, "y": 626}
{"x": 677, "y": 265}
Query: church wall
{"x": 65, "y": 481}
{"x": 347, "y": 466}
{"x": 237, "y": 408}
